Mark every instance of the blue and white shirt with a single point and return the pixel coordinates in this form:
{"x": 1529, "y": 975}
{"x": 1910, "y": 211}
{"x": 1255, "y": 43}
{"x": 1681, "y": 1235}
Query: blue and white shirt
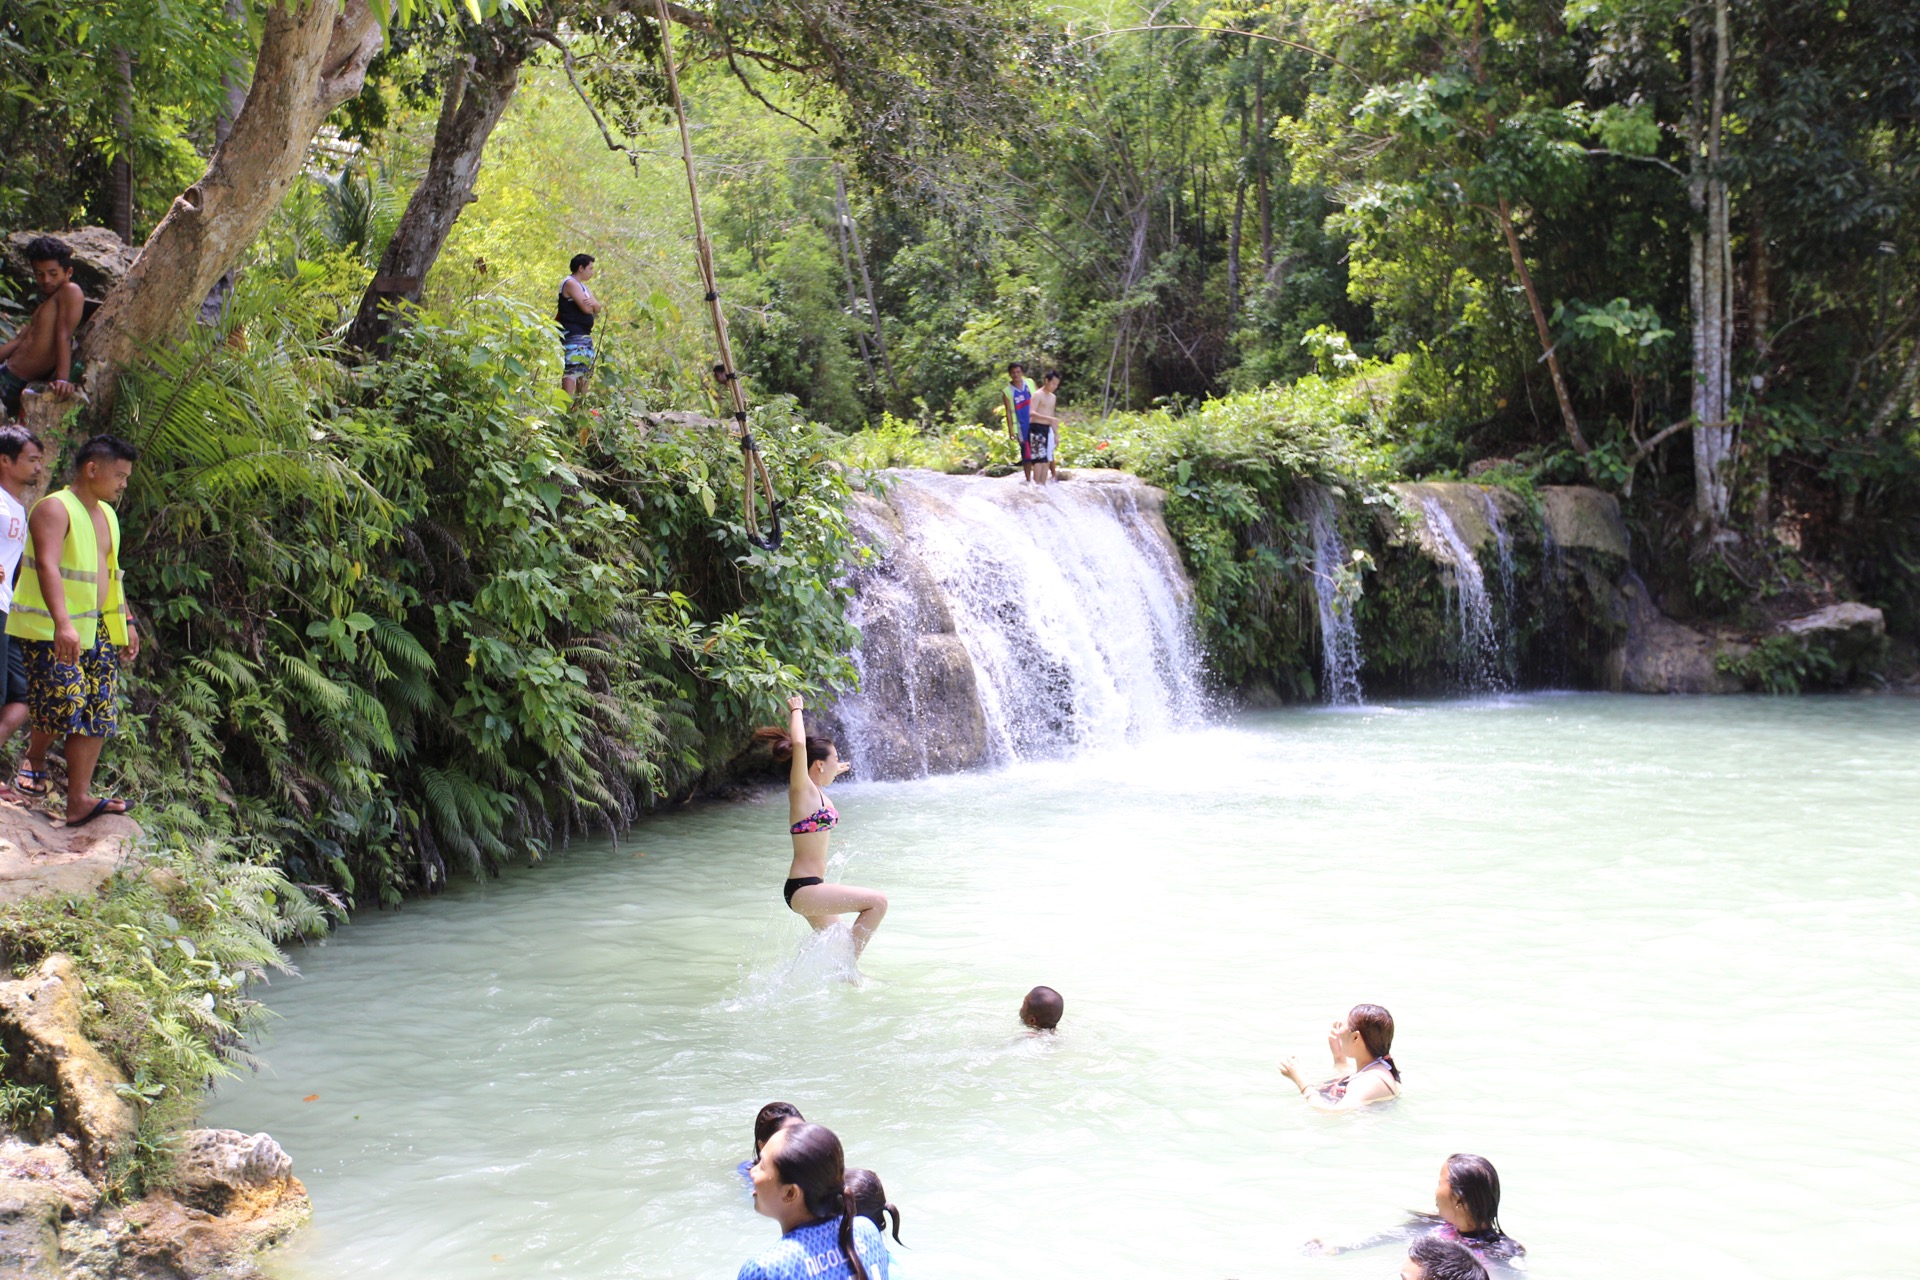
{"x": 813, "y": 1253}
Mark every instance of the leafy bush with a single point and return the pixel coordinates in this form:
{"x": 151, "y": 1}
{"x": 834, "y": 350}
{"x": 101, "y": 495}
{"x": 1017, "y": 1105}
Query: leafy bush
{"x": 424, "y": 614}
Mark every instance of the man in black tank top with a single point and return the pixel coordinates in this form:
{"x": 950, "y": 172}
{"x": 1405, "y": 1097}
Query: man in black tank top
{"x": 574, "y": 315}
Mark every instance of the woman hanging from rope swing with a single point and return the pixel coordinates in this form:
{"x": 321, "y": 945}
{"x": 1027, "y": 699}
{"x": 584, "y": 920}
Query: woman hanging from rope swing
{"x": 815, "y": 763}
{"x": 758, "y": 486}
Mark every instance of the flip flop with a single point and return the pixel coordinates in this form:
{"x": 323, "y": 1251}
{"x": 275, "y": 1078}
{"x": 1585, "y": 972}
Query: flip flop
{"x": 32, "y": 775}
{"x": 99, "y": 807}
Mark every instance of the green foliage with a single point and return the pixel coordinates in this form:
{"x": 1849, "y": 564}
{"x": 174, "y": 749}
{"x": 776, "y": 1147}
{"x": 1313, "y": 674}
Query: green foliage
{"x": 1233, "y": 469}
{"x": 417, "y": 617}
{"x": 169, "y": 952}
{"x": 1782, "y": 664}
{"x": 59, "y": 83}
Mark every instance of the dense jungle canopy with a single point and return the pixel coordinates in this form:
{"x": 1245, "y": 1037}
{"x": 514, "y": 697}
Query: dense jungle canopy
{"x": 416, "y": 609}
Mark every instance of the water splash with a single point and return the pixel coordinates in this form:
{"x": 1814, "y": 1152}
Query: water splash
{"x": 1481, "y": 667}
{"x": 1340, "y": 658}
{"x": 1020, "y": 622}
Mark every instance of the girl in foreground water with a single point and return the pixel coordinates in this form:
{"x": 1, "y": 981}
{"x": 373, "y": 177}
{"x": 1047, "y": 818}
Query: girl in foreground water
{"x": 800, "y": 1181}
{"x": 815, "y": 764}
{"x": 1467, "y": 1212}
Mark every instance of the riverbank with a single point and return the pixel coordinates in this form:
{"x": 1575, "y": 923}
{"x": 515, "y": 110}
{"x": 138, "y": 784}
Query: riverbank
{"x": 136, "y": 960}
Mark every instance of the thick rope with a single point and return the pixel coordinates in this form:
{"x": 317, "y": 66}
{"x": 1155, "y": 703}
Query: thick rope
{"x": 753, "y": 466}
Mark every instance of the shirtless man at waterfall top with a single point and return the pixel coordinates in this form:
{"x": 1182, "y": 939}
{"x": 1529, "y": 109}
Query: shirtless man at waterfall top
{"x": 44, "y": 346}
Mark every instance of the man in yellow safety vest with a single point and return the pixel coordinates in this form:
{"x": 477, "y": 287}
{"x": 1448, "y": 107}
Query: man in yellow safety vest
{"x": 70, "y": 619}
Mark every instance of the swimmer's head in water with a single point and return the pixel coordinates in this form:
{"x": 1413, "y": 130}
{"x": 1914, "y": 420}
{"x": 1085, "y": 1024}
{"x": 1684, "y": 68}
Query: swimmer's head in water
{"x": 870, "y": 1199}
{"x": 823, "y": 757}
{"x": 773, "y": 1117}
{"x": 1468, "y": 1196}
{"x": 1042, "y": 1008}
{"x": 1432, "y": 1258}
{"x": 1374, "y": 1027}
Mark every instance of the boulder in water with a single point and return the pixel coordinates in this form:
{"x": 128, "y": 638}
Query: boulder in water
{"x": 1664, "y": 656}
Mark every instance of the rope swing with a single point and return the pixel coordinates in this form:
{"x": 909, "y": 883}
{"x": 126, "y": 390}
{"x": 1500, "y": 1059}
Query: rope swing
{"x": 758, "y": 486}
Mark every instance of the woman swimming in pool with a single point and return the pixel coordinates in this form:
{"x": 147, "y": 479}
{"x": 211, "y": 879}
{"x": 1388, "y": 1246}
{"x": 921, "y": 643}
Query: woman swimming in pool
{"x": 1365, "y": 1039}
{"x": 1467, "y": 1212}
{"x": 815, "y": 764}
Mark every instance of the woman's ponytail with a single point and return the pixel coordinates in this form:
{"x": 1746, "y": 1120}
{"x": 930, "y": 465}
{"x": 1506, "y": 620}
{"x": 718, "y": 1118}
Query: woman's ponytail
{"x": 781, "y": 741}
{"x": 855, "y": 1267}
{"x": 778, "y": 739}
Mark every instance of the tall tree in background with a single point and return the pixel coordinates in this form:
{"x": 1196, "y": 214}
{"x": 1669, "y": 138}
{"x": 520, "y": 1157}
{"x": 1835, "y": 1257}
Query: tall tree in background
{"x": 313, "y": 56}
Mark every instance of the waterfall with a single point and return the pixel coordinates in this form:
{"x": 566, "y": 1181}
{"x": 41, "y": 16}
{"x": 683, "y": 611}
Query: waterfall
{"x": 1504, "y": 543}
{"x": 1340, "y": 659}
{"x": 1481, "y": 661}
{"x": 1509, "y": 618}
{"x": 1003, "y": 622}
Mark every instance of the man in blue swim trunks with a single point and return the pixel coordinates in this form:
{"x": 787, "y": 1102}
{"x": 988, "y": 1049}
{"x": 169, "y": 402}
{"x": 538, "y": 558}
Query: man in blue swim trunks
{"x": 1017, "y": 403}
{"x": 575, "y": 315}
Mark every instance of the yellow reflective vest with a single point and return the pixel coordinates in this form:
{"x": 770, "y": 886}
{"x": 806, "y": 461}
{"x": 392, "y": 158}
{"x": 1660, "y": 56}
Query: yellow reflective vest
{"x": 79, "y": 575}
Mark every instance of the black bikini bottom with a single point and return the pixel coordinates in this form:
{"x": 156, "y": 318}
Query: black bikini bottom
{"x": 802, "y": 882}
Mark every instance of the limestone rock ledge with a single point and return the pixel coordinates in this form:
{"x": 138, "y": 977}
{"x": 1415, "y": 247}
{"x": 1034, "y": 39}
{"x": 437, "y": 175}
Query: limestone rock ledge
{"x": 231, "y": 1196}
{"x": 53, "y": 1227}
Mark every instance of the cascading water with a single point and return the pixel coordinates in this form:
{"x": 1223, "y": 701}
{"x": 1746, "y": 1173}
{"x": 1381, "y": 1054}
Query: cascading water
{"x": 1503, "y": 544}
{"x": 1340, "y": 658}
{"x": 1002, "y": 621}
{"x": 1480, "y": 648}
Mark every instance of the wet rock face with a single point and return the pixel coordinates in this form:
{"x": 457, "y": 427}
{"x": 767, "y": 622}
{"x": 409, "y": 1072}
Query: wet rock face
{"x": 1577, "y": 518}
{"x": 40, "y": 1027}
{"x": 235, "y": 1196}
{"x": 1664, "y": 656}
{"x": 39, "y": 1187}
{"x": 914, "y": 666}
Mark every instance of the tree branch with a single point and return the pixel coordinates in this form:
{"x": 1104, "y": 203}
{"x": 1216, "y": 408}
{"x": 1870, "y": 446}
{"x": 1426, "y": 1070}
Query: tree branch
{"x": 1222, "y": 31}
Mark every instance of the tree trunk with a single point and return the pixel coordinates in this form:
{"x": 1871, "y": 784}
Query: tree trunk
{"x": 120, "y": 173}
{"x": 841, "y": 217}
{"x": 477, "y": 94}
{"x": 313, "y": 56}
{"x": 1567, "y": 416}
{"x": 1239, "y": 219}
{"x": 866, "y": 279}
{"x": 1709, "y": 278}
{"x": 1260, "y": 164}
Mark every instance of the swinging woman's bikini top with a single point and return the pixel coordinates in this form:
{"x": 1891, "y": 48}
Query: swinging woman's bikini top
{"x": 825, "y": 818}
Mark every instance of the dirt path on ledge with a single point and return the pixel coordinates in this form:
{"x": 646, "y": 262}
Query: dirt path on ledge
{"x": 39, "y": 859}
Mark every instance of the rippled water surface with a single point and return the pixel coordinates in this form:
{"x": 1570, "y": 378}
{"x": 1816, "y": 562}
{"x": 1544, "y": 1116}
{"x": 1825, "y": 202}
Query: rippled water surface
{"x": 1657, "y": 959}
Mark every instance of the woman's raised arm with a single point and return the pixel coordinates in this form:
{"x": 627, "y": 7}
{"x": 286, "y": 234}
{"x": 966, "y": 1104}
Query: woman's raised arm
{"x": 797, "y": 779}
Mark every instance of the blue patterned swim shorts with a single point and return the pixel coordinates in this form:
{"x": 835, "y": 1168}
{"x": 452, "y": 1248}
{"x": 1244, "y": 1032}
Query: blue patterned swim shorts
{"x": 67, "y": 699}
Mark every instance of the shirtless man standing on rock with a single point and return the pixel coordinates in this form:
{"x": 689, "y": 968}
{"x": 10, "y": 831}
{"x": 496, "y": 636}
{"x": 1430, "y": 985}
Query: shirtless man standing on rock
{"x": 44, "y": 347}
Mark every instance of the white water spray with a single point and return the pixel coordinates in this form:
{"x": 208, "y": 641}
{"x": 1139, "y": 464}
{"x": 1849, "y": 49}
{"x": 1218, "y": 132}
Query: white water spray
{"x": 1007, "y": 621}
{"x": 1340, "y": 658}
{"x": 1480, "y": 650}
